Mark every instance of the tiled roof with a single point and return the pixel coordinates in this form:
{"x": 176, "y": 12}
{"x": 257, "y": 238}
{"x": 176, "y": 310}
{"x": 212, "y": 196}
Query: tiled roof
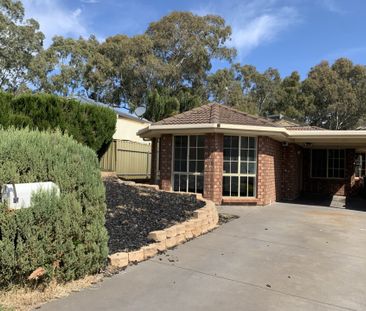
{"x": 215, "y": 113}
{"x": 304, "y": 128}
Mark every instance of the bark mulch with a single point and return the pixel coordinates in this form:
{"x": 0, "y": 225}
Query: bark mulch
{"x": 133, "y": 212}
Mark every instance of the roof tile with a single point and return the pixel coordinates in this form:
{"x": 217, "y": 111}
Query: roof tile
{"x": 215, "y": 113}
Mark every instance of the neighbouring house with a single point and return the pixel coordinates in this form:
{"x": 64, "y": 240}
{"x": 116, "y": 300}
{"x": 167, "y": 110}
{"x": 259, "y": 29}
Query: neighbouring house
{"x": 233, "y": 157}
{"x": 129, "y": 156}
{"x": 127, "y": 127}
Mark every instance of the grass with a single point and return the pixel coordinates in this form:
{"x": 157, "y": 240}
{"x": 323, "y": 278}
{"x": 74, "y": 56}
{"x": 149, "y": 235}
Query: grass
{"x": 26, "y": 299}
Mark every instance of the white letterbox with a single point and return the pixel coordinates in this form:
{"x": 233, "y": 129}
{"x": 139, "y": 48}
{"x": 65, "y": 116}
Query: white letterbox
{"x": 19, "y": 195}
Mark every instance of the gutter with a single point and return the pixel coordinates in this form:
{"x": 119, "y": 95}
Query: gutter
{"x": 279, "y": 132}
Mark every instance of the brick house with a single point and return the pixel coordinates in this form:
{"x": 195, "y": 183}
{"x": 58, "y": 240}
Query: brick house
{"x": 233, "y": 157}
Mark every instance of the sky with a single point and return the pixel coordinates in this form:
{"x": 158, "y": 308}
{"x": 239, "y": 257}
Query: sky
{"x": 284, "y": 34}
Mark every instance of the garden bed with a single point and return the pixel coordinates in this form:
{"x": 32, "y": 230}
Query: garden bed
{"x": 135, "y": 211}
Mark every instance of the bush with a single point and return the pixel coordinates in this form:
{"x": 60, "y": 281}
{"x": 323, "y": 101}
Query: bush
{"x": 91, "y": 125}
{"x": 65, "y": 235}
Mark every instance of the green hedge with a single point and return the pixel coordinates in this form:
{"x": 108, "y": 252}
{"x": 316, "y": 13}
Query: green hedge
{"x": 91, "y": 125}
{"x": 65, "y": 234}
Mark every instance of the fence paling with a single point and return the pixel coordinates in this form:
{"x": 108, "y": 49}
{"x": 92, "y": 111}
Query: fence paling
{"x": 128, "y": 159}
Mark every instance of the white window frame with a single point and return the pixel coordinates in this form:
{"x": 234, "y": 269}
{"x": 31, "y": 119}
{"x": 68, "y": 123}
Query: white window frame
{"x": 187, "y": 172}
{"x": 327, "y": 167}
{"x": 238, "y": 174}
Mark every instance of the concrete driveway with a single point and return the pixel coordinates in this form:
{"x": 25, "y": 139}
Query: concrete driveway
{"x": 279, "y": 257}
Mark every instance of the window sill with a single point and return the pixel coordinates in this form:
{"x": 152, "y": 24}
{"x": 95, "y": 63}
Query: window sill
{"x": 239, "y": 200}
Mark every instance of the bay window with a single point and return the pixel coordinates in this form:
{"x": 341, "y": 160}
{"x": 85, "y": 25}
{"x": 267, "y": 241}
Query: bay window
{"x": 188, "y": 163}
{"x": 240, "y": 166}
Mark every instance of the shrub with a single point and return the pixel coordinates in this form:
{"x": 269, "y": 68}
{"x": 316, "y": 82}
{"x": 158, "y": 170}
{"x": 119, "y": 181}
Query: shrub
{"x": 91, "y": 125}
{"x": 63, "y": 234}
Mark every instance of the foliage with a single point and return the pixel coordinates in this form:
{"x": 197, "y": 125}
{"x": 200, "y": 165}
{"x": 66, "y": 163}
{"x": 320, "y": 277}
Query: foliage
{"x": 173, "y": 56}
{"x": 19, "y": 40}
{"x": 65, "y": 235}
{"x": 246, "y": 88}
{"x": 91, "y": 125}
{"x": 162, "y": 105}
{"x": 62, "y": 68}
{"x": 168, "y": 69}
{"x": 336, "y": 94}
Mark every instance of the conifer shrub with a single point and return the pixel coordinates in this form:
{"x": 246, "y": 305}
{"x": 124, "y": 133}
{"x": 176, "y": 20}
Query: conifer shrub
{"x": 65, "y": 234}
{"x": 91, "y": 125}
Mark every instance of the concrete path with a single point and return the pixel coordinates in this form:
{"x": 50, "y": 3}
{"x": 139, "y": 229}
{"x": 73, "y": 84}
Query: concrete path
{"x": 280, "y": 257}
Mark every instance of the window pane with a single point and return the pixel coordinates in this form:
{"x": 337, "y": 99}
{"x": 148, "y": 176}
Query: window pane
{"x": 191, "y": 183}
{"x": 177, "y": 153}
{"x": 200, "y": 141}
{"x": 234, "y": 186}
{"x": 243, "y": 186}
{"x": 184, "y": 153}
{"x": 183, "y": 166}
{"x": 226, "y": 154}
{"x": 176, "y": 165}
{"x": 243, "y": 167}
{"x": 200, "y": 166}
{"x": 192, "y": 153}
{"x": 227, "y": 141}
{"x": 226, "y": 167}
{"x": 252, "y": 156}
{"x": 226, "y": 186}
{"x": 244, "y": 143}
{"x": 251, "y": 168}
{"x": 176, "y": 182}
{"x": 192, "y": 166}
{"x": 244, "y": 155}
{"x": 251, "y": 186}
{"x": 319, "y": 162}
{"x": 199, "y": 184}
{"x": 234, "y": 154}
{"x": 234, "y": 167}
{"x": 252, "y": 143}
{"x": 178, "y": 141}
{"x": 200, "y": 154}
{"x": 192, "y": 141}
{"x": 183, "y": 183}
{"x": 234, "y": 141}
{"x": 185, "y": 141}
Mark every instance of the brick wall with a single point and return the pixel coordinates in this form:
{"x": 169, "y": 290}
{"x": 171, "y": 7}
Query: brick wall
{"x": 292, "y": 172}
{"x": 166, "y": 142}
{"x": 283, "y": 171}
{"x": 213, "y": 167}
{"x": 269, "y": 170}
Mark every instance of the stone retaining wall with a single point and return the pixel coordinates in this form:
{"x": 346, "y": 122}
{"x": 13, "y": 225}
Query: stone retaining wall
{"x": 204, "y": 219}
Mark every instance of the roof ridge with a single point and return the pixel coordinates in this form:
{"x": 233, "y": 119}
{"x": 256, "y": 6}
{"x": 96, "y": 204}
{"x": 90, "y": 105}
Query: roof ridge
{"x": 215, "y": 113}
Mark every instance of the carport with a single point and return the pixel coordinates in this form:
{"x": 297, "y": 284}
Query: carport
{"x": 329, "y": 163}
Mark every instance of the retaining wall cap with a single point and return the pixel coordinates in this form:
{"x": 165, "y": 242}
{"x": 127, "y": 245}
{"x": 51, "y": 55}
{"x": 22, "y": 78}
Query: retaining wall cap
{"x": 136, "y": 256}
{"x": 118, "y": 259}
{"x": 171, "y": 242}
{"x": 171, "y": 232}
{"x": 157, "y": 236}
